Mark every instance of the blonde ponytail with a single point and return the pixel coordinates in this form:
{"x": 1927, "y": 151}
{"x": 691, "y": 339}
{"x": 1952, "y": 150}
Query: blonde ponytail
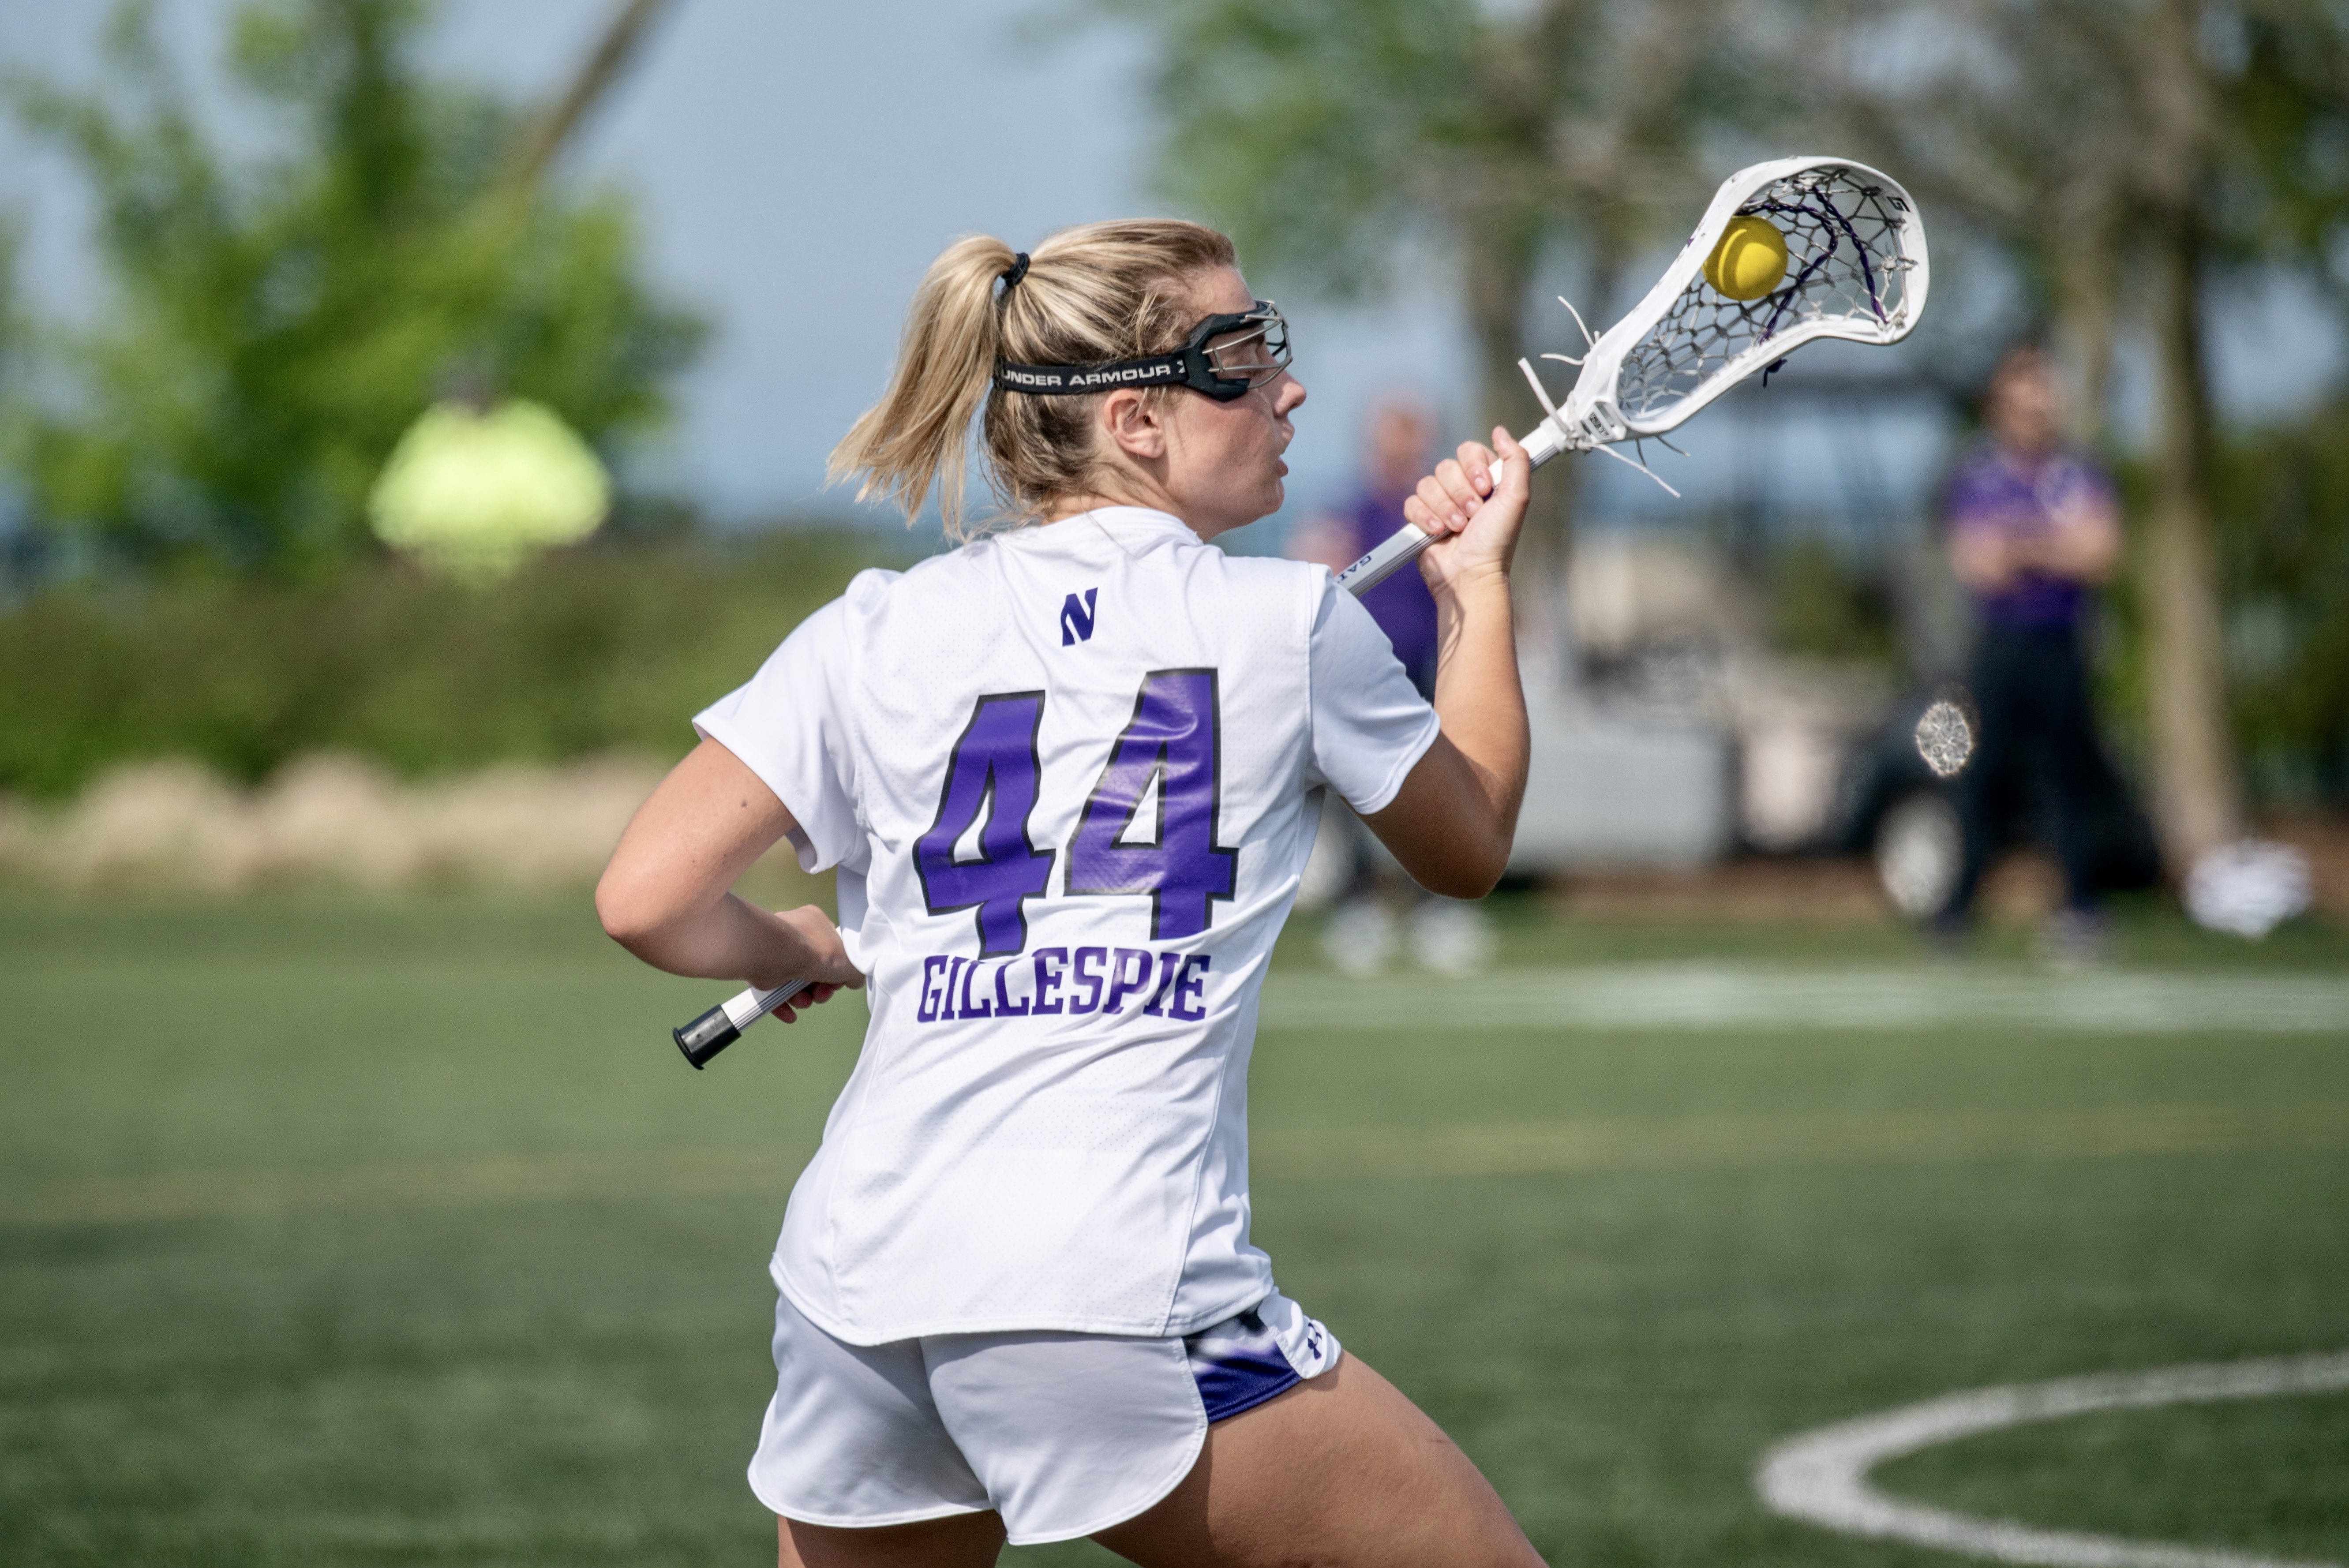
{"x": 1094, "y": 292}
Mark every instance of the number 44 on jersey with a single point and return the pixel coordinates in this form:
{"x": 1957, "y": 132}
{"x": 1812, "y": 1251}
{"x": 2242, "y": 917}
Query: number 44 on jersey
{"x": 1166, "y": 756}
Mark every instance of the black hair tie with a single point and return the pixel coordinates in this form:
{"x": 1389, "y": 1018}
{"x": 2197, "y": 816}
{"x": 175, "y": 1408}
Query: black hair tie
{"x": 1014, "y": 273}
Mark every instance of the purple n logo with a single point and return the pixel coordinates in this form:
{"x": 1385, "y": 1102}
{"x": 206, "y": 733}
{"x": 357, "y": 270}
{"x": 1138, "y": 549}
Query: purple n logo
{"x": 1077, "y": 618}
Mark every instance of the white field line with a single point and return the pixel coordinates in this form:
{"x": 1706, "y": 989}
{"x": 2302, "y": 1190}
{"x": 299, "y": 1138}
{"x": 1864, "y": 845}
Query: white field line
{"x": 1718, "y": 997}
{"x": 1821, "y": 1477}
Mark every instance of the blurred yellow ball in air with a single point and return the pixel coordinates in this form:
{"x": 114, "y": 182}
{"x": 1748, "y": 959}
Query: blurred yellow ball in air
{"x": 1750, "y": 261}
{"x": 475, "y": 492}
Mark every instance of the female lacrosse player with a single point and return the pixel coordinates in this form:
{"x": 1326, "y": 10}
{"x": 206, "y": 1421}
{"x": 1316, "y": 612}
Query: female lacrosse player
{"x": 1067, "y": 774}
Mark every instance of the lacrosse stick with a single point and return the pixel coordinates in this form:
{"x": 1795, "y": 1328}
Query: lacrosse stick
{"x": 1855, "y": 269}
{"x": 723, "y": 1025}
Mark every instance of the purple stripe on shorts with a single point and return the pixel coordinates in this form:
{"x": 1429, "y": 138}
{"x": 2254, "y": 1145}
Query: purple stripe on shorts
{"x": 1237, "y": 1365}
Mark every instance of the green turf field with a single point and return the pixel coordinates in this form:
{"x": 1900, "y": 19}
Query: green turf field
{"x": 337, "y": 1234}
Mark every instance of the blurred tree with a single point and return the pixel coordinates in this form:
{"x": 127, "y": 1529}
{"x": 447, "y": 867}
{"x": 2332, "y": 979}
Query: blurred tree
{"x": 1825, "y": 605}
{"x": 1332, "y": 136}
{"x": 542, "y": 138}
{"x": 275, "y": 323}
{"x": 2131, "y": 153}
{"x": 2284, "y": 564}
{"x": 12, "y": 324}
{"x": 2009, "y": 119}
{"x": 10, "y": 239}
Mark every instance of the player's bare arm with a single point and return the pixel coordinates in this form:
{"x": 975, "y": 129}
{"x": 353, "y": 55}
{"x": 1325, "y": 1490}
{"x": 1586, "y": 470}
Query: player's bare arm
{"x": 667, "y": 894}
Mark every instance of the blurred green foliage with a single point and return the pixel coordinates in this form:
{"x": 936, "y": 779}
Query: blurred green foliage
{"x": 1318, "y": 130}
{"x": 1826, "y": 606}
{"x": 276, "y": 322}
{"x": 2285, "y": 567}
{"x": 2281, "y": 498}
{"x": 1336, "y": 139}
{"x": 582, "y": 651}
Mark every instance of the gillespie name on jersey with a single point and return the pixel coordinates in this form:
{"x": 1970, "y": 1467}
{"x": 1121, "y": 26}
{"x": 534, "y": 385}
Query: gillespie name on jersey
{"x": 1101, "y": 979}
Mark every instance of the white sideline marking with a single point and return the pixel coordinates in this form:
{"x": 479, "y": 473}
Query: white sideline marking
{"x": 1821, "y": 1477}
{"x": 1725, "y": 996}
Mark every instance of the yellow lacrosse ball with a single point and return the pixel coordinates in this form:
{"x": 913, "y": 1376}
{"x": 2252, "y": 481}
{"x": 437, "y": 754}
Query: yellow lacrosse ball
{"x": 1750, "y": 261}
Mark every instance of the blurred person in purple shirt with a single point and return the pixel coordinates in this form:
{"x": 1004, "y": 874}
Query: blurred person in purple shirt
{"x": 2034, "y": 526}
{"x": 1401, "y": 434}
{"x": 1446, "y": 935}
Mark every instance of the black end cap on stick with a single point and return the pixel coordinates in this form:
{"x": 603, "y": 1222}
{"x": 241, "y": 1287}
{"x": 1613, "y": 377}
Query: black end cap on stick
{"x": 706, "y": 1037}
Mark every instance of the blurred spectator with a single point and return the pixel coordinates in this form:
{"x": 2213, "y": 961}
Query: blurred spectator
{"x": 1401, "y": 440}
{"x": 2033, "y": 527}
{"x": 1446, "y": 935}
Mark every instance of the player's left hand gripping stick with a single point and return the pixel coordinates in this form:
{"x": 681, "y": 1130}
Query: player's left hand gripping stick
{"x": 721, "y": 1026}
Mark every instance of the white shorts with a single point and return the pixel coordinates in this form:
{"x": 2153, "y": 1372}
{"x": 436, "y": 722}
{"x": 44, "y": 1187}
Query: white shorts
{"x": 1062, "y": 1434}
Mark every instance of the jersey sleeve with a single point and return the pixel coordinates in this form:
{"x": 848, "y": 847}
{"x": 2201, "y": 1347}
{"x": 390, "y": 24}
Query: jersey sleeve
{"x": 788, "y": 725}
{"x": 1370, "y": 727}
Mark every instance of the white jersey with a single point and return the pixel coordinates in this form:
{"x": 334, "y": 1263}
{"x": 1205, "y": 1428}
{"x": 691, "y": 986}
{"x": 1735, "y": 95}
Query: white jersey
{"x": 1070, "y": 775}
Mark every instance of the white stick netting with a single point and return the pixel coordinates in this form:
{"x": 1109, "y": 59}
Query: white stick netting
{"x": 1845, "y": 261}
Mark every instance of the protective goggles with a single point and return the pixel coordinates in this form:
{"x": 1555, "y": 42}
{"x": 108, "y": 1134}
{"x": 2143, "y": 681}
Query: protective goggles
{"x": 1225, "y": 357}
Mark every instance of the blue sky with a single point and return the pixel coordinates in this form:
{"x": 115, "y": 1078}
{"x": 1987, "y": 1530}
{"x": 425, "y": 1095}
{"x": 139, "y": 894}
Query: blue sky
{"x": 798, "y": 165}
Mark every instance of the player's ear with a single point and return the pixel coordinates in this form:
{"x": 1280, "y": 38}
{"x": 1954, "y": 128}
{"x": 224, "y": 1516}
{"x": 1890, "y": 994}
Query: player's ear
{"x": 1135, "y": 424}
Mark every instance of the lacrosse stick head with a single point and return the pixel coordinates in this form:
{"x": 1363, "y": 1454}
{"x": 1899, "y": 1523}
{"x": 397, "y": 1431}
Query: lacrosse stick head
{"x": 1855, "y": 269}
